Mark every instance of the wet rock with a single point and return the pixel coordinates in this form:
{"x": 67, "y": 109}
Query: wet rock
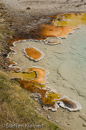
{"x": 48, "y": 117}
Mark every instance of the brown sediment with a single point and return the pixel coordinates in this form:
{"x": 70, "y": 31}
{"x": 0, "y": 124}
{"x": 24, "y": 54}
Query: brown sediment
{"x": 33, "y": 53}
{"x": 18, "y": 36}
{"x": 41, "y": 74}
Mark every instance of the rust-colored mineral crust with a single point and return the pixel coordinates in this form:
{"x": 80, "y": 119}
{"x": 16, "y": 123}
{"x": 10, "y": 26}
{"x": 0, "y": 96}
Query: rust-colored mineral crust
{"x": 33, "y": 53}
{"x": 45, "y": 31}
{"x": 30, "y": 86}
{"x": 41, "y": 74}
